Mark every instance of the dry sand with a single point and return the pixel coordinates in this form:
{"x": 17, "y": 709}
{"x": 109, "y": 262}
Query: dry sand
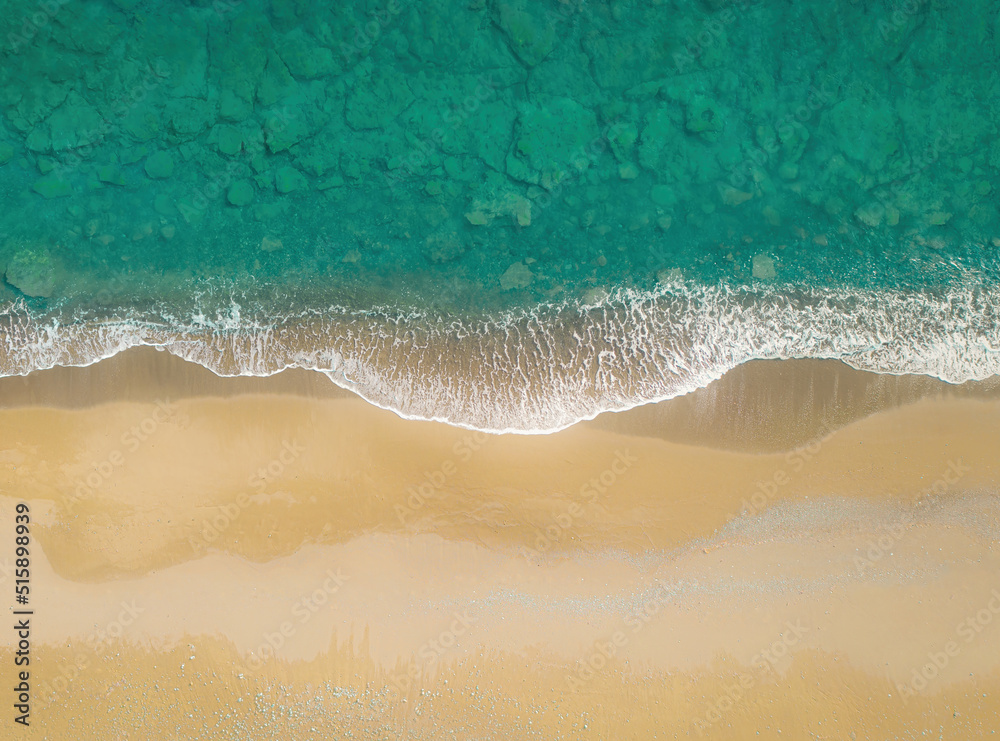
{"x": 274, "y": 558}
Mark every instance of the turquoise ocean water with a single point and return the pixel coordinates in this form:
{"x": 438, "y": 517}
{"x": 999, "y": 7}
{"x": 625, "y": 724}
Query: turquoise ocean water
{"x": 507, "y": 215}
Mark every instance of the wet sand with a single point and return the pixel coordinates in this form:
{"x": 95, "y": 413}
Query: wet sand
{"x": 761, "y": 406}
{"x": 274, "y": 558}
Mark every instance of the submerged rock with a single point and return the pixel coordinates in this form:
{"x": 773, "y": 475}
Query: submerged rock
{"x": 277, "y": 82}
{"x": 160, "y": 165}
{"x": 375, "y": 102}
{"x": 74, "y": 124}
{"x": 763, "y": 267}
{"x": 240, "y": 193}
{"x": 530, "y": 33}
{"x": 189, "y": 117}
{"x": 111, "y": 174}
{"x": 52, "y": 186}
{"x": 496, "y": 198}
{"x": 702, "y": 116}
{"x": 866, "y": 130}
{"x": 304, "y": 56}
{"x": 229, "y": 139}
{"x": 556, "y": 138}
{"x": 516, "y": 276}
{"x": 870, "y": 214}
{"x": 288, "y": 179}
{"x": 444, "y": 247}
{"x": 32, "y": 273}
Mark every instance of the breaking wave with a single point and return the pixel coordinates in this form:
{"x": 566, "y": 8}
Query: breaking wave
{"x": 545, "y": 369}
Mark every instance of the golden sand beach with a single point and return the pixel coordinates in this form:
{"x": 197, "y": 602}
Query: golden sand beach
{"x": 798, "y": 551}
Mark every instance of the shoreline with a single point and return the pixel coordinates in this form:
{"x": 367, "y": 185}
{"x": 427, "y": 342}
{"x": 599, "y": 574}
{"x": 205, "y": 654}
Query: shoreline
{"x": 481, "y": 375}
{"x": 816, "y": 396}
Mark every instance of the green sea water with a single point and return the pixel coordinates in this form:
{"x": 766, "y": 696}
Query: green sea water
{"x": 583, "y": 204}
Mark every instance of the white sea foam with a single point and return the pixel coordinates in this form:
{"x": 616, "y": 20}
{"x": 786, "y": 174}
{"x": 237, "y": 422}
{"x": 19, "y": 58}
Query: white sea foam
{"x": 540, "y": 371}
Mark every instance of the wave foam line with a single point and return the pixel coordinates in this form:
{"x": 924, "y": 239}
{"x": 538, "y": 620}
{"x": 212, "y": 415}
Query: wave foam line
{"x": 543, "y": 370}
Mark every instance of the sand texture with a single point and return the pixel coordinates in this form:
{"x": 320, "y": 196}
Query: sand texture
{"x": 265, "y": 558}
